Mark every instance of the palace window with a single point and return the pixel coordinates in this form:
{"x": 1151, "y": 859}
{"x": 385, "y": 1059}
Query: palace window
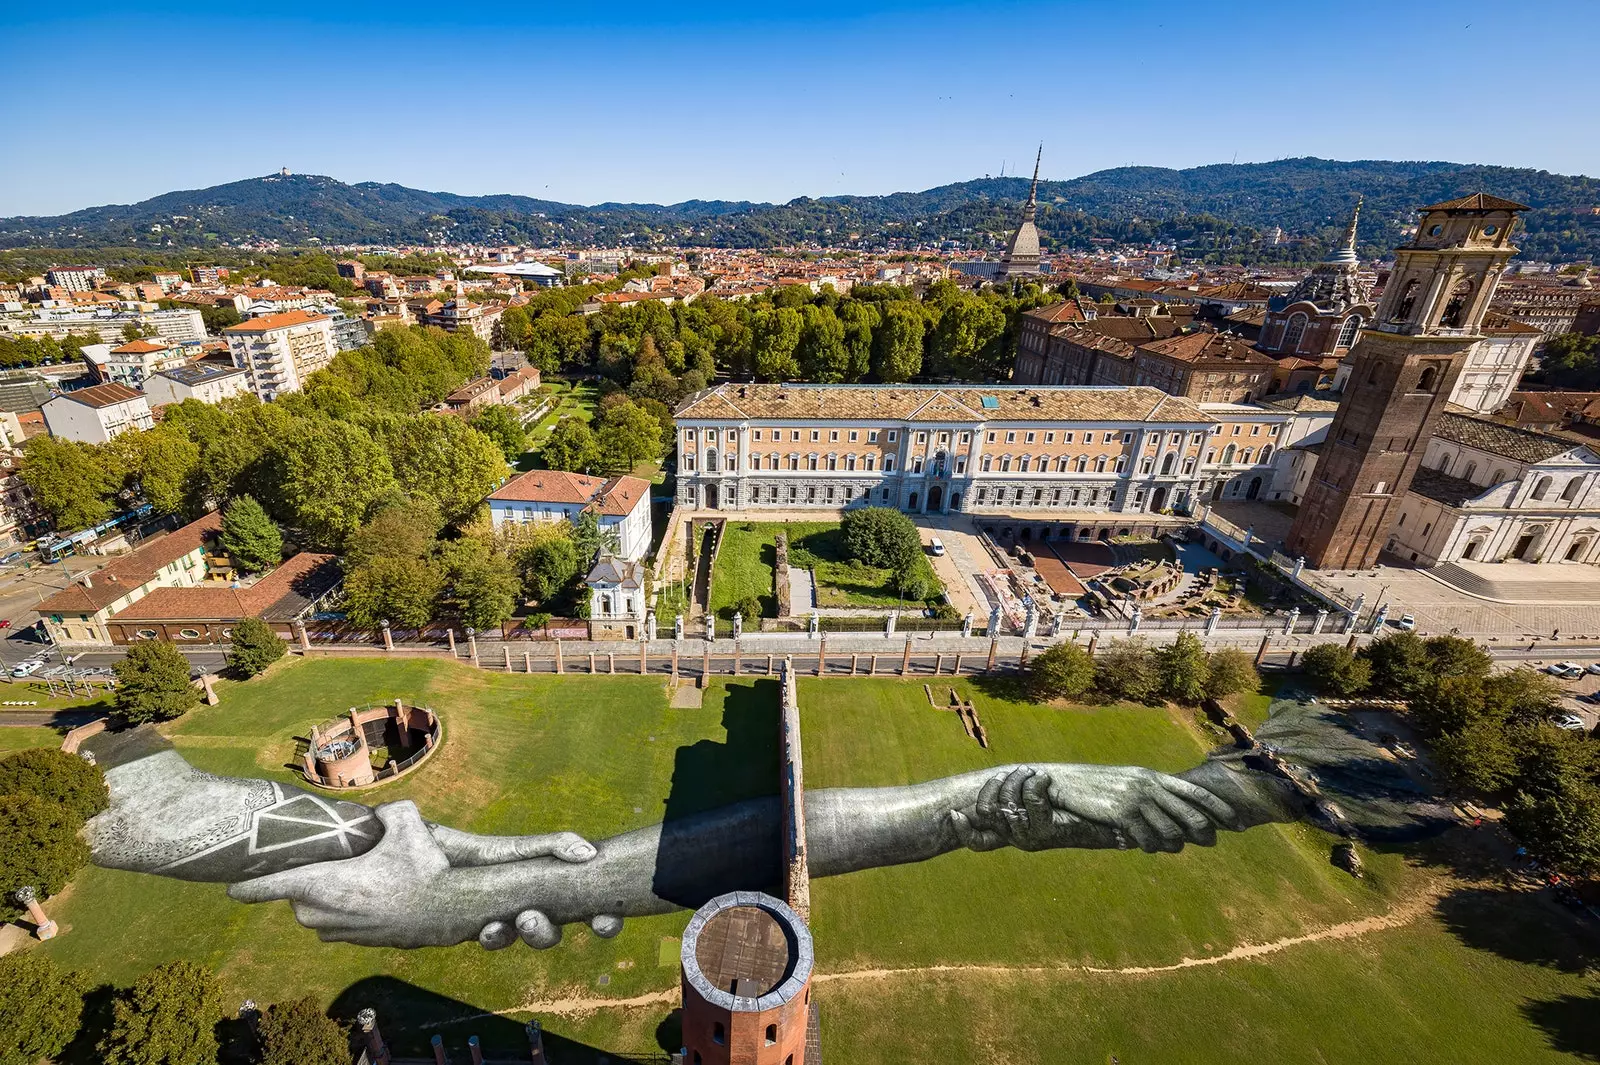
{"x": 1011, "y": 438}
{"x": 961, "y": 464}
{"x": 888, "y": 464}
{"x": 811, "y": 461}
{"x": 1028, "y": 439}
{"x": 688, "y": 462}
{"x": 1295, "y": 331}
{"x": 1005, "y": 465}
{"x": 987, "y": 462}
{"x": 1100, "y": 464}
{"x": 853, "y": 436}
{"x": 872, "y": 436}
{"x": 1348, "y": 331}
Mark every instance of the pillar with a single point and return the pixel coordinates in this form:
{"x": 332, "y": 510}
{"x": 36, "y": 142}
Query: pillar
{"x": 44, "y": 928}
{"x": 966, "y": 625}
{"x": 1022, "y": 659}
{"x": 738, "y": 657}
{"x": 377, "y": 1052}
{"x": 1135, "y": 619}
{"x": 644, "y": 657}
{"x": 938, "y": 663}
{"x": 1261, "y": 652}
{"x": 507, "y": 649}
{"x": 816, "y": 624}
{"x": 451, "y": 633}
{"x": 561, "y": 666}
{"x": 956, "y": 672}
{"x": 650, "y": 626}
{"x": 994, "y": 620}
{"x": 472, "y": 645}
{"x": 1212, "y": 619}
{"x": 388, "y": 637}
{"x": 677, "y": 627}
{"x": 305, "y": 637}
{"x": 872, "y": 667}
{"x": 1094, "y": 642}
{"x": 705, "y": 662}
{"x": 527, "y": 662}
{"x": 1322, "y": 617}
{"x": 674, "y": 662}
{"x": 1289, "y": 622}
{"x": 1299, "y": 564}
{"x": 1380, "y": 618}
{"x": 905, "y": 659}
{"x": 769, "y": 665}
{"x": 888, "y": 625}
{"x": 438, "y": 1051}
{"x": 611, "y": 661}
{"x": 853, "y": 660}
{"x": 994, "y": 648}
{"x": 711, "y": 626}
{"x": 738, "y": 624}
{"x": 822, "y": 655}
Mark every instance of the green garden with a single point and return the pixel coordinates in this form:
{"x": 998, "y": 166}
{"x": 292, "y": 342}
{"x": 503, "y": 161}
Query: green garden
{"x": 1257, "y": 947}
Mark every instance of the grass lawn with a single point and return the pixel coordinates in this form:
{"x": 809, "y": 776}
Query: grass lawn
{"x": 598, "y": 756}
{"x": 22, "y": 737}
{"x": 748, "y": 560}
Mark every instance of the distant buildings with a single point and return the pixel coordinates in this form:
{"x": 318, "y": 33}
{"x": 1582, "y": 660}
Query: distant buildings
{"x": 133, "y": 363}
{"x": 97, "y": 414}
{"x": 179, "y": 326}
{"x": 279, "y": 351}
{"x": 74, "y": 278}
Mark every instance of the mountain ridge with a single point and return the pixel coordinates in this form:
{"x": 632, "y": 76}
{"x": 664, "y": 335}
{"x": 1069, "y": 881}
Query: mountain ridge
{"x": 1217, "y": 208}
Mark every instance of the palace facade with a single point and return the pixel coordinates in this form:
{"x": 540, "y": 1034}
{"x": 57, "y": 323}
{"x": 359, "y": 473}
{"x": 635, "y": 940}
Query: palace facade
{"x": 1059, "y": 453}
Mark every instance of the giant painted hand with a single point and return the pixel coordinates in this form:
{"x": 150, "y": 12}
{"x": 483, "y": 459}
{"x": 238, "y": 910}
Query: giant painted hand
{"x": 1061, "y": 805}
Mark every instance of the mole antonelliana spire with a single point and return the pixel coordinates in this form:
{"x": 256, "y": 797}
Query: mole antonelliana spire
{"x": 1022, "y": 253}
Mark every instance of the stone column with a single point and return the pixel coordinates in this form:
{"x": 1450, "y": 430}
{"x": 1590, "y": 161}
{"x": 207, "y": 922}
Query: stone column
{"x": 1261, "y": 652}
{"x": 1322, "y": 617}
{"x": 44, "y": 927}
{"x": 560, "y": 665}
{"x": 705, "y": 663}
{"x": 527, "y": 662}
{"x": 644, "y": 658}
{"x": 1030, "y": 623}
{"x": 905, "y": 659}
{"x": 1094, "y": 642}
{"x": 822, "y": 655}
{"x": 388, "y": 637}
{"x": 611, "y": 662}
{"x": 1289, "y": 622}
{"x": 994, "y": 620}
{"x": 535, "y": 1043}
{"x": 677, "y": 628}
{"x": 507, "y": 649}
{"x": 472, "y": 644}
{"x": 938, "y": 663}
{"x": 305, "y": 637}
{"x": 994, "y": 648}
{"x": 674, "y": 662}
{"x": 451, "y": 633}
{"x": 854, "y": 661}
{"x": 475, "y": 1050}
{"x": 711, "y": 626}
{"x": 1022, "y": 658}
{"x": 956, "y": 672}
{"x": 650, "y": 626}
{"x": 966, "y": 626}
{"x": 888, "y": 625}
{"x": 377, "y": 1052}
{"x": 816, "y": 625}
{"x": 1212, "y": 619}
{"x": 1299, "y": 564}
{"x": 1135, "y": 619}
{"x": 738, "y": 659}
{"x": 738, "y": 625}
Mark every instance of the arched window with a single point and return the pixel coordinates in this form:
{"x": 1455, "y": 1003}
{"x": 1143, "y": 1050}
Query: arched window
{"x": 1244, "y": 457}
{"x": 1266, "y": 453}
{"x": 1429, "y": 378}
{"x": 1168, "y": 462}
{"x": 1444, "y": 464}
{"x": 1295, "y": 331}
{"x": 772, "y": 1034}
{"x": 1466, "y": 474}
{"x": 1570, "y": 492}
{"x": 711, "y": 460}
{"x": 1542, "y": 488}
{"x": 1348, "y": 331}
{"x": 1227, "y": 455}
{"x": 1456, "y": 309}
{"x": 1498, "y": 477}
{"x": 1406, "y": 303}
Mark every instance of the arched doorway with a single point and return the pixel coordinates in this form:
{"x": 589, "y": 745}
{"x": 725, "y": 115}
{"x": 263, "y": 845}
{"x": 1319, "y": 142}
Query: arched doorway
{"x": 935, "y": 499}
{"x": 1528, "y": 545}
{"x": 711, "y": 497}
{"x": 1254, "y": 489}
{"x": 1471, "y": 553}
{"x": 1579, "y": 547}
{"x": 1158, "y": 499}
{"x": 913, "y": 502}
{"x": 955, "y": 500}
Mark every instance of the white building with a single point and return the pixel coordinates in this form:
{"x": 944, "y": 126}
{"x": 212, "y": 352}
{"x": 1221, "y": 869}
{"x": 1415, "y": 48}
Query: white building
{"x": 179, "y": 326}
{"x": 74, "y": 278}
{"x": 622, "y": 503}
{"x": 205, "y": 382}
{"x": 133, "y": 363}
{"x": 279, "y": 351}
{"x": 1495, "y": 364}
{"x": 96, "y": 414}
{"x": 616, "y": 598}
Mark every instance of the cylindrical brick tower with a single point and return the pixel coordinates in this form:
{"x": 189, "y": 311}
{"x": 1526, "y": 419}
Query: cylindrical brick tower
{"x": 747, "y": 961}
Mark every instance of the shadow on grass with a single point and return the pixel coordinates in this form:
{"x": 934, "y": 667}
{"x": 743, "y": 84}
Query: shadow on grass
{"x": 1519, "y": 926}
{"x": 409, "y": 1017}
{"x": 1571, "y": 1023}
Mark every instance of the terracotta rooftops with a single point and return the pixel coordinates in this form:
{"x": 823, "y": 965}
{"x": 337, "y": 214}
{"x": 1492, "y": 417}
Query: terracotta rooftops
{"x": 1065, "y": 311}
{"x": 616, "y": 496}
{"x": 139, "y": 347}
{"x": 1523, "y": 445}
{"x": 1205, "y": 346}
{"x": 996, "y": 403}
{"x": 1479, "y": 201}
{"x": 129, "y": 572}
{"x": 268, "y": 322}
{"x": 278, "y": 596}
{"x": 102, "y": 395}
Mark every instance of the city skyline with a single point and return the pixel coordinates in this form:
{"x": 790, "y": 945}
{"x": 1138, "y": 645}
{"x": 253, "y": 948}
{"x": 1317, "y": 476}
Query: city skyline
{"x": 646, "y": 106}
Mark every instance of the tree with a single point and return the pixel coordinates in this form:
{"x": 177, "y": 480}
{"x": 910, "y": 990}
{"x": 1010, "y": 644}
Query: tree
{"x": 1400, "y": 664}
{"x": 821, "y": 351}
{"x": 255, "y": 647}
{"x": 501, "y": 424}
{"x": 41, "y": 1007}
{"x": 881, "y": 536}
{"x": 71, "y": 481}
{"x": 858, "y": 320}
{"x": 1230, "y": 671}
{"x": 629, "y": 434}
{"x": 39, "y": 848}
{"x": 168, "y": 1017}
{"x": 1521, "y": 696}
{"x": 1452, "y": 656}
{"x": 590, "y": 537}
{"x": 966, "y": 342}
{"x": 1479, "y": 759}
{"x": 1446, "y": 704}
{"x": 440, "y": 457}
{"x": 1126, "y": 669}
{"x": 57, "y": 776}
{"x": 153, "y": 683}
{"x": 897, "y": 342}
{"x": 1064, "y": 671}
{"x": 251, "y": 538}
{"x": 483, "y": 585}
{"x": 398, "y": 589}
{"x": 1336, "y": 670}
{"x": 399, "y": 528}
{"x": 165, "y": 464}
{"x": 1555, "y": 802}
{"x": 571, "y": 446}
{"x": 548, "y": 562}
{"x": 1184, "y": 668}
{"x": 775, "y": 340}
{"x": 748, "y": 608}
{"x": 300, "y": 1033}
{"x": 330, "y": 473}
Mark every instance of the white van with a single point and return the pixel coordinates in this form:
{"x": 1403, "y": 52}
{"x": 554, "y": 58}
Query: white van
{"x": 936, "y": 546}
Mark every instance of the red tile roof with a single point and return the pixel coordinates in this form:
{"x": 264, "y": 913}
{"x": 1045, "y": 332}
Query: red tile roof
{"x": 129, "y": 572}
{"x": 139, "y": 347}
{"x": 268, "y": 322}
{"x": 306, "y": 572}
{"x": 616, "y": 496}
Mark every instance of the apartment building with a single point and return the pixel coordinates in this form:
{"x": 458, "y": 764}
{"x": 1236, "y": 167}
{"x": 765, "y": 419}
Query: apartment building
{"x": 279, "y": 351}
{"x": 135, "y": 362}
{"x": 97, "y": 414}
{"x": 1055, "y": 453}
{"x": 180, "y": 326}
{"x": 74, "y": 278}
{"x": 206, "y": 382}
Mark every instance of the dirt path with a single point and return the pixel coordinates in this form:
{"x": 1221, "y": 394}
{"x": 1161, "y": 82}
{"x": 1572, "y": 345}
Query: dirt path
{"x": 1399, "y": 917}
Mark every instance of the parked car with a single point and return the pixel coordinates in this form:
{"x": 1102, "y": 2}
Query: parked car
{"x": 1594, "y": 667}
{"x": 1565, "y": 670}
{"x": 936, "y": 546}
{"x": 11, "y": 558}
{"x": 1570, "y": 722}
{"x": 26, "y": 669}
{"x": 1408, "y": 622}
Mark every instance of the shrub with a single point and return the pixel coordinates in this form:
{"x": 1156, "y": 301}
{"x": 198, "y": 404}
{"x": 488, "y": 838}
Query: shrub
{"x": 1184, "y": 668}
{"x": 250, "y": 537}
{"x": 39, "y": 848}
{"x": 41, "y": 1006}
{"x": 881, "y": 537}
{"x": 750, "y": 607}
{"x": 255, "y": 647}
{"x": 1064, "y": 671}
{"x": 55, "y": 775}
{"x": 168, "y": 1017}
{"x": 1126, "y": 669}
{"x": 1336, "y": 670}
{"x": 153, "y": 683}
{"x": 299, "y": 1033}
{"x": 1231, "y": 671}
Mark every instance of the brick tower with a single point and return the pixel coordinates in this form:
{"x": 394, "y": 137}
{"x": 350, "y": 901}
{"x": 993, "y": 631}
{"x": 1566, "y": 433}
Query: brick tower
{"x": 1403, "y": 369}
{"x": 747, "y": 961}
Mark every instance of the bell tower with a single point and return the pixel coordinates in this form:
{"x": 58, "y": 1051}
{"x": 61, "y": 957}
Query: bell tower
{"x": 1403, "y": 369}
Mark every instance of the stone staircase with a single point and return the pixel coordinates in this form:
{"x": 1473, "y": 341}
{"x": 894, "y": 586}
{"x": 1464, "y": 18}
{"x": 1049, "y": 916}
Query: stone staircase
{"x": 1517, "y": 591}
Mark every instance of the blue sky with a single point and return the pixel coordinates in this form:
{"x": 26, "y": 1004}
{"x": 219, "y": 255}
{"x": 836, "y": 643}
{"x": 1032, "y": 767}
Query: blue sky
{"x": 112, "y": 103}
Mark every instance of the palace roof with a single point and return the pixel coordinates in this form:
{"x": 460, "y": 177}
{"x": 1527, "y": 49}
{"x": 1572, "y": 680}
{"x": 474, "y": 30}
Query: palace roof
{"x": 959, "y": 403}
